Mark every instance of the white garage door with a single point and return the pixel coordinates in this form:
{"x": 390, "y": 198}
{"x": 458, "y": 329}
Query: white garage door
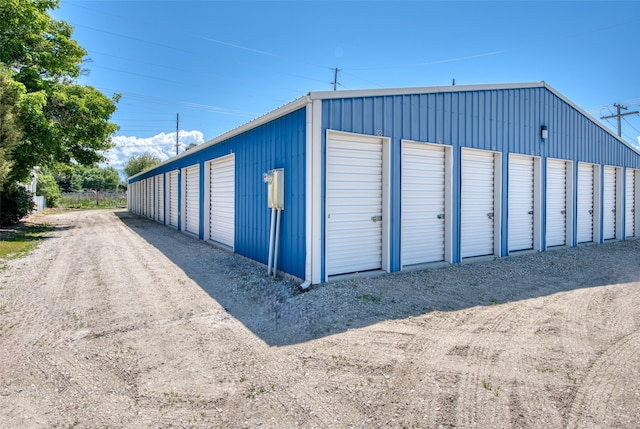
{"x": 191, "y": 210}
{"x": 354, "y": 204}
{"x": 520, "y": 214}
{"x": 630, "y": 203}
{"x": 222, "y": 200}
{"x": 149, "y": 209}
{"x": 173, "y": 198}
{"x": 160, "y": 198}
{"x": 139, "y": 196}
{"x": 609, "y": 200}
{"x": 143, "y": 197}
{"x": 585, "y": 203}
{"x": 423, "y": 194}
{"x": 477, "y": 216}
{"x": 556, "y": 215}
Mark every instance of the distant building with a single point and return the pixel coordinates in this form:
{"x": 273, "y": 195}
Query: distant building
{"x": 39, "y": 201}
{"x": 386, "y": 180}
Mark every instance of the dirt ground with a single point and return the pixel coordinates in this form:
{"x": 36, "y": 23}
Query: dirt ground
{"x": 116, "y": 321}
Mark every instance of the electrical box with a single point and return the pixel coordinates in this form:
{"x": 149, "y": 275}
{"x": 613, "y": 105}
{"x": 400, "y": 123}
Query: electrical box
{"x": 275, "y": 184}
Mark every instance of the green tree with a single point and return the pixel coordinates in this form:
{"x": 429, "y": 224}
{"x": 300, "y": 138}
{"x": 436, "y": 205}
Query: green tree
{"x": 136, "y": 164}
{"x": 101, "y": 179}
{"x": 68, "y": 180}
{"x": 10, "y": 128}
{"x": 48, "y": 188}
{"x": 63, "y": 122}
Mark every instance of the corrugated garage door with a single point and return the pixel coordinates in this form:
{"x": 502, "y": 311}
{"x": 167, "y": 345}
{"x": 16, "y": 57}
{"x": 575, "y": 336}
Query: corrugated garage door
{"x": 423, "y": 194}
{"x": 150, "y": 197}
{"x": 630, "y": 203}
{"x": 585, "y": 203}
{"x": 143, "y": 199}
{"x": 520, "y": 215}
{"x": 160, "y": 198}
{"x": 556, "y": 203}
{"x": 173, "y": 199}
{"x": 139, "y": 196}
{"x": 222, "y": 200}
{"x": 191, "y": 199}
{"x": 609, "y": 201}
{"x": 354, "y": 204}
{"x": 477, "y": 217}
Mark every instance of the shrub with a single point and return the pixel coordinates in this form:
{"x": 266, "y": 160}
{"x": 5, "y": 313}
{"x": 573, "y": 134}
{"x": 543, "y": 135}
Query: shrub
{"x": 15, "y": 203}
{"x": 48, "y": 188}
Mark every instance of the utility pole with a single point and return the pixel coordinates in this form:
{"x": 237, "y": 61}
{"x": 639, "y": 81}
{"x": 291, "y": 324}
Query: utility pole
{"x": 335, "y": 78}
{"x": 619, "y": 116}
{"x": 177, "y": 132}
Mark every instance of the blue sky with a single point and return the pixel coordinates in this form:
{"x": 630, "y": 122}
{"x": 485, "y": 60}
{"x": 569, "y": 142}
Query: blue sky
{"x": 220, "y": 64}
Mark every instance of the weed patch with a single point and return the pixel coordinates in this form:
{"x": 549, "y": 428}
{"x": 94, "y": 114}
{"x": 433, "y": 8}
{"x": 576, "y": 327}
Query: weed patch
{"x": 369, "y": 298}
{"x": 84, "y": 202}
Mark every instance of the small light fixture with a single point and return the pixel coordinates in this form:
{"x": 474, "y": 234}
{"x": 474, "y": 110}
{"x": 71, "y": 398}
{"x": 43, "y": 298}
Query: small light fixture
{"x": 544, "y": 133}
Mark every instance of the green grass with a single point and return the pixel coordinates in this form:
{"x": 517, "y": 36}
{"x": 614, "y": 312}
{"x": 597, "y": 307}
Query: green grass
{"x": 369, "y": 298}
{"x": 86, "y": 203}
{"x": 22, "y": 240}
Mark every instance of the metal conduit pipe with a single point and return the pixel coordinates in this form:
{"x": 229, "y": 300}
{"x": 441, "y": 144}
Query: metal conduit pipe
{"x": 275, "y": 263}
{"x": 271, "y": 237}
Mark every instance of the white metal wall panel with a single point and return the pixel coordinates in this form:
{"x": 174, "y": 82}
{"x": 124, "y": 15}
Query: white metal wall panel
{"x": 173, "y": 199}
{"x": 222, "y": 200}
{"x": 630, "y": 203}
{"x": 556, "y": 215}
{"x": 609, "y": 201}
{"x": 354, "y": 204}
{"x": 520, "y": 203}
{"x": 477, "y": 203}
{"x": 192, "y": 199}
{"x": 585, "y": 203}
{"x": 159, "y": 198}
{"x": 423, "y": 203}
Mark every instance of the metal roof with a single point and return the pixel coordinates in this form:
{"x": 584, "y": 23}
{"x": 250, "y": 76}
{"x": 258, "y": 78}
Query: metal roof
{"x": 328, "y": 95}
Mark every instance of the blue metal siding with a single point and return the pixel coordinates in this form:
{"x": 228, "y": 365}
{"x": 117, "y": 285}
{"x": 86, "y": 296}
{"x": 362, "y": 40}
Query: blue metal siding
{"x": 503, "y": 120}
{"x": 280, "y": 143}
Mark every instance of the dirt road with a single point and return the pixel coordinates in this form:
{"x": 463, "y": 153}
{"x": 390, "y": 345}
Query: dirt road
{"x": 116, "y": 321}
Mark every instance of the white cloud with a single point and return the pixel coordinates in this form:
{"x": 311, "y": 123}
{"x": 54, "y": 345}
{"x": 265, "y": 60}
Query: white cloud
{"x": 162, "y": 145}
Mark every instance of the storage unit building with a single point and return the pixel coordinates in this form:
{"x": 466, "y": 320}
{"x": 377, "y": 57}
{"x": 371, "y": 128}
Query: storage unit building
{"x": 385, "y": 180}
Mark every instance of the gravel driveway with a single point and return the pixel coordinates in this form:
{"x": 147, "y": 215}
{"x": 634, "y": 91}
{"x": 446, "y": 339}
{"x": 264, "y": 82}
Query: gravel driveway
{"x": 116, "y": 321}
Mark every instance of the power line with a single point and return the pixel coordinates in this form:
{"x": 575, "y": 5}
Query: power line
{"x": 629, "y": 123}
{"x": 619, "y": 116}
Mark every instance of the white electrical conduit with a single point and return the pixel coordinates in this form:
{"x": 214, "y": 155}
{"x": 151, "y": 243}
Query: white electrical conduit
{"x": 275, "y": 258}
{"x": 271, "y": 237}
{"x": 273, "y": 250}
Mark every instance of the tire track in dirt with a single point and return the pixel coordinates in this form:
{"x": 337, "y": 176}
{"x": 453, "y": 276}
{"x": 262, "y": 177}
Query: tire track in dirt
{"x": 140, "y": 338}
{"x": 611, "y": 379}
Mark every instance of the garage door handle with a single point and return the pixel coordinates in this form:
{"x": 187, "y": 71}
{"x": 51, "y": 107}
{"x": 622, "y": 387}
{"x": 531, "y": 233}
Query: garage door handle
{"x": 490, "y": 215}
{"x": 563, "y": 212}
{"x": 531, "y": 212}
{"x": 613, "y": 210}
{"x": 441, "y": 216}
{"x": 375, "y": 219}
{"x": 590, "y": 212}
